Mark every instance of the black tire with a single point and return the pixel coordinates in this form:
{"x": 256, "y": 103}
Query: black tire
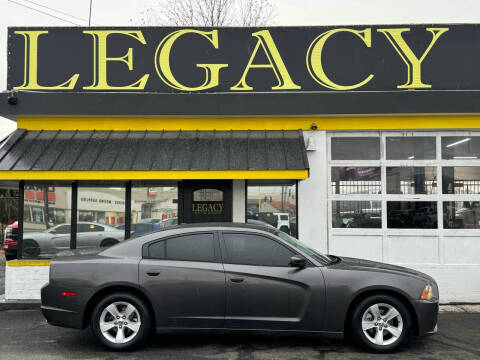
{"x": 30, "y": 248}
{"x": 9, "y": 257}
{"x": 145, "y": 327}
{"x": 361, "y": 338}
{"x": 108, "y": 242}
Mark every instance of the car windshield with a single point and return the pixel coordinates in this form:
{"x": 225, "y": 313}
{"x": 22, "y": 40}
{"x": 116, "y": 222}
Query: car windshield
{"x": 321, "y": 258}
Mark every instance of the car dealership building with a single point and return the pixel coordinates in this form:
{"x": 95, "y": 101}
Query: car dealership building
{"x": 362, "y": 141}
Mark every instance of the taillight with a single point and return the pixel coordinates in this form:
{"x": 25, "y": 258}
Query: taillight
{"x": 68, "y": 293}
{"x": 8, "y": 243}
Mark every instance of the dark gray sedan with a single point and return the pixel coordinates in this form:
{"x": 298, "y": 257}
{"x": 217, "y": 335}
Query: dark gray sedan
{"x": 235, "y": 277}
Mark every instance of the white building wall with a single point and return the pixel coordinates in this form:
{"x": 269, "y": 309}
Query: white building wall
{"x": 312, "y": 194}
{"x": 239, "y": 201}
{"x": 24, "y": 280}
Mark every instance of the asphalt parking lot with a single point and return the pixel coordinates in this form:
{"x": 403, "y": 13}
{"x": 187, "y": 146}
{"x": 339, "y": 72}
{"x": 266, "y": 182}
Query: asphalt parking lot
{"x": 24, "y": 334}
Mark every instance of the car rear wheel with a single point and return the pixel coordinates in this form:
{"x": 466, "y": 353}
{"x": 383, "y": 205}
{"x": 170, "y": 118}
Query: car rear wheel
{"x": 381, "y": 323}
{"x": 30, "y": 248}
{"x": 121, "y": 321}
{"x": 108, "y": 242}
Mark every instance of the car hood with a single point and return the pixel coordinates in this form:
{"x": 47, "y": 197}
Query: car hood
{"x": 368, "y": 265}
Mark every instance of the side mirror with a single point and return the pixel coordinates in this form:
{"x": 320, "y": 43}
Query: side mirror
{"x": 298, "y": 261}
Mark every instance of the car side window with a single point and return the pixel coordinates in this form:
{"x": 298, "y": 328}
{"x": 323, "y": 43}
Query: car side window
{"x": 250, "y": 249}
{"x": 63, "y": 229}
{"x": 97, "y": 228}
{"x": 191, "y": 247}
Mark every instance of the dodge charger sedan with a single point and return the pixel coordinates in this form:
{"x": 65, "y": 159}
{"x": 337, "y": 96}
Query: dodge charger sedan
{"x": 235, "y": 277}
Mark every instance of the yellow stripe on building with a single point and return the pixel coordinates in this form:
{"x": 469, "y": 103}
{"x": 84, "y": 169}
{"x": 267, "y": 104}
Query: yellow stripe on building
{"x": 154, "y": 175}
{"x": 383, "y": 122}
{"x": 27, "y": 262}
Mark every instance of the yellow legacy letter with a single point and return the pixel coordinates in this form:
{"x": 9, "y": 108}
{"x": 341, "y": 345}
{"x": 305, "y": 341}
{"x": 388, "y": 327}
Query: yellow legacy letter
{"x": 100, "y": 60}
{"x": 30, "y": 73}
{"x": 314, "y": 58}
{"x": 162, "y": 61}
{"x": 275, "y": 63}
{"x": 414, "y": 65}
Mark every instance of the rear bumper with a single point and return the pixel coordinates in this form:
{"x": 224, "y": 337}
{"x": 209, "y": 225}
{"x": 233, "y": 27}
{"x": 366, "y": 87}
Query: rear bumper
{"x": 427, "y": 316}
{"x": 62, "y": 317}
{"x": 60, "y": 310}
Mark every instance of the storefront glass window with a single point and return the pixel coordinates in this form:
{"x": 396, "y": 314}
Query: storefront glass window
{"x": 46, "y": 220}
{"x": 356, "y": 214}
{"x": 153, "y": 208}
{"x": 356, "y": 180}
{"x": 411, "y": 148}
{"x": 461, "y": 180}
{"x": 101, "y": 215}
{"x": 412, "y": 180}
{"x": 412, "y": 214}
{"x": 355, "y": 148}
{"x": 460, "y": 147}
{"x": 461, "y": 214}
{"x": 275, "y": 205}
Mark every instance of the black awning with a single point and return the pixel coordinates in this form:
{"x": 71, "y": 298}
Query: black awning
{"x": 153, "y": 150}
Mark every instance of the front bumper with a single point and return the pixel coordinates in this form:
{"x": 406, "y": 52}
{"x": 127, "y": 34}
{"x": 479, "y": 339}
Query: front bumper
{"x": 427, "y": 316}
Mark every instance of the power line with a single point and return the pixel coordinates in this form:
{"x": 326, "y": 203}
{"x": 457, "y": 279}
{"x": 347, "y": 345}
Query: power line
{"x": 45, "y": 13}
{"x": 52, "y": 9}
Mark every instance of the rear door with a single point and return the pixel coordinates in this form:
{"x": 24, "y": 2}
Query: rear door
{"x": 184, "y": 276}
{"x": 263, "y": 291}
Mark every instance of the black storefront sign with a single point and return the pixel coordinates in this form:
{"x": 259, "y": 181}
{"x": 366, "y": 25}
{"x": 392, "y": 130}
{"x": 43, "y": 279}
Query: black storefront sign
{"x": 245, "y": 60}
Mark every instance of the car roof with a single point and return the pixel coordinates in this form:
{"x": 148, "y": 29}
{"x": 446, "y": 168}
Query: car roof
{"x": 216, "y": 225}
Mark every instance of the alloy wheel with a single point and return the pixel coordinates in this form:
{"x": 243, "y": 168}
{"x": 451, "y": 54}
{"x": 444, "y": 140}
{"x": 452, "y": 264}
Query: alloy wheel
{"x": 120, "y": 322}
{"x": 382, "y": 324}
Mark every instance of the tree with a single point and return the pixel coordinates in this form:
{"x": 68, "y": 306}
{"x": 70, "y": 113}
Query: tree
{"x": 209, "y": 13}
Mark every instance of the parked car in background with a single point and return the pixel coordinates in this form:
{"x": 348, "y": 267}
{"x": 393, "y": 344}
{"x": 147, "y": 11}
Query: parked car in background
{"x": 57, "y": 238}
{"x": 232, "y": 277}
{"x": 283, "y": 222}
{"x": 10, "y": 241}
{"x": 150, "y": 220}
{"x": 169, "y": 222}
{"x": 140, "y": 228}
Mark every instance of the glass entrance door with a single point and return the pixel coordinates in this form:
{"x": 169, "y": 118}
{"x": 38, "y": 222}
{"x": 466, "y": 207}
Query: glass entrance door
{"x": 206, "y": 201}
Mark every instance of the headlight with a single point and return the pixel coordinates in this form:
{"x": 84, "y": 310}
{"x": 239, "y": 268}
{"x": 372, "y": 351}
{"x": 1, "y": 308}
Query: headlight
{"x": 427, "y": 293}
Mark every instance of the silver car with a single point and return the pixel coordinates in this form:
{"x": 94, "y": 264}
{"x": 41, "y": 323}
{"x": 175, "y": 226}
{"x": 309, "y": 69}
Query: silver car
{"x": 57, "y": 238}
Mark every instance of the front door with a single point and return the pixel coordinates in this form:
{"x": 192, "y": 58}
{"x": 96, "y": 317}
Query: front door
{"x": 263, "y": 291}
{"x": 206, "y": 201}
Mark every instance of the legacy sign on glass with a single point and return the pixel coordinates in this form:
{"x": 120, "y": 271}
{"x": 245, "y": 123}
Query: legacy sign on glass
{"x": 244, "y": 59}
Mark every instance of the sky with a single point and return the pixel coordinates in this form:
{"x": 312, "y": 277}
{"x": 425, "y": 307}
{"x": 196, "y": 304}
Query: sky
{"x": 289, "y": 13}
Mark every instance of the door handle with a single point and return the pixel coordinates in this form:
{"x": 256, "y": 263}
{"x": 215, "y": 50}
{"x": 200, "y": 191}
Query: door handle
{"x": 236, "y": 280}
{"x": 153, "y": 273}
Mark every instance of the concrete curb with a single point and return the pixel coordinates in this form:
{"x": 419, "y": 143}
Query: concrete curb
{"x": 18, "y": 304}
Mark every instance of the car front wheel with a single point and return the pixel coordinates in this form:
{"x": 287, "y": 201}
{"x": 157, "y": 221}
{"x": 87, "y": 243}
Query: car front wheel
{"x": 121, "y": 321}
{"x": 381, "y": 323}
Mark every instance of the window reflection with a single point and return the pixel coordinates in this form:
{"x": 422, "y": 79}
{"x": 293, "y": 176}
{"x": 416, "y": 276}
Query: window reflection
{"x": 356, "y": 214}
{"x": 461, "y": 215}
{"x": 153, "y": 208}
{"x": 412, "y": 214}
{"x": 460, "y": 147}
{"x": 356, "y": 180}
{"x": 461, "y": 180}
{"x": 412, "y": 180}
{"x": 274, "y": 205}
{"x": 411, "y": 148}
{"x": 100, "y": 210}
{"x": 355, "y": 148}
{"x": 46, "y": 220}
